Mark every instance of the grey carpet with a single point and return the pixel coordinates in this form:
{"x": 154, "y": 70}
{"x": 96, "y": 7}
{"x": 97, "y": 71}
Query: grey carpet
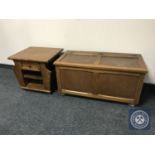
{"x": 27, "y": 112}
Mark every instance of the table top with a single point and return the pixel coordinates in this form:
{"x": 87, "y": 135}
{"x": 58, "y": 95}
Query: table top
{"x": 103, "y": 60}
{"x": 36, "y": 54}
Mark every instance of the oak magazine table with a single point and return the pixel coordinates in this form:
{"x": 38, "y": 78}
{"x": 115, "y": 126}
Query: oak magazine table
{"x": 34, "y": 68}
{"x": 101, "y": 75}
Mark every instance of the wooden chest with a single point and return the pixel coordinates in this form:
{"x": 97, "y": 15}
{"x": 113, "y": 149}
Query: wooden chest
{"x": 34, "y": 68}
{"x": 101, "y": 75}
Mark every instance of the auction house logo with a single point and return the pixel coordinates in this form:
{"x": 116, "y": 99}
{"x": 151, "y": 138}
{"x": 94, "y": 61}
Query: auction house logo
{"x": 139, "y": 119}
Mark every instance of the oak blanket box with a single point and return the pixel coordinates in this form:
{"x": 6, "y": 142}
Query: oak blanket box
{"x": 101, "y": 75}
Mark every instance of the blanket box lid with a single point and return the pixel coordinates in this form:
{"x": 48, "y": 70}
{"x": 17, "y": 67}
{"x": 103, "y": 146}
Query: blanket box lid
{"x": 103, "y": 60}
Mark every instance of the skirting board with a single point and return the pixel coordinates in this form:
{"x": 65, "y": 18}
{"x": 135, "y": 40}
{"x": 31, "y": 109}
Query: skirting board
{"x": 6, "y": 66}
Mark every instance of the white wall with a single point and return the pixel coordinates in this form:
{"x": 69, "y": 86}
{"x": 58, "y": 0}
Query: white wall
{"x": 132, "y": 36}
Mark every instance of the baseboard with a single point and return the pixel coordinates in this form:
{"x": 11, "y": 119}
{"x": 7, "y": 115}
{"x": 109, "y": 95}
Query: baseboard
{"x": 149, "y": 86}
{"x": 6, "y": 66}
{"x": 146, "y": 85}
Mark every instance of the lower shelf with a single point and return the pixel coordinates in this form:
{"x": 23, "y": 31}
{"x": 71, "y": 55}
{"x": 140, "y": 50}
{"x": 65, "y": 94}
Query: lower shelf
{"x": 33, "y": 77}
{"x": 36, "y": 87}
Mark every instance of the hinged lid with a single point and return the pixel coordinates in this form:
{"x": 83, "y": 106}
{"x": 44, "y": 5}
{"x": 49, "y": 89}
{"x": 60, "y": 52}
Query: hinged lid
{"x": 37, "y": 54}
{"x": 103, "y": 60}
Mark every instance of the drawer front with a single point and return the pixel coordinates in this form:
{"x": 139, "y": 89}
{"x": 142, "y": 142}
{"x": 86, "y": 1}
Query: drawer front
{"x": 30, "y": 66}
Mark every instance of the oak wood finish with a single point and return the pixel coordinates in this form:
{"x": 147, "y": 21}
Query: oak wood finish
{"x": 34, "y": 68}
{"x": 36, "y": 54}
{"x": 101, "y": 75}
